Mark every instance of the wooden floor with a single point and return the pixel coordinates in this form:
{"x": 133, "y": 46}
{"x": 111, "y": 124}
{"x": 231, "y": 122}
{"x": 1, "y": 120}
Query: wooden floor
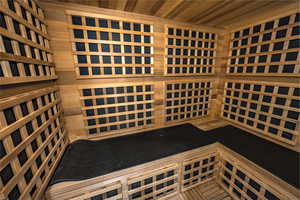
{"x": 206, "y": 191}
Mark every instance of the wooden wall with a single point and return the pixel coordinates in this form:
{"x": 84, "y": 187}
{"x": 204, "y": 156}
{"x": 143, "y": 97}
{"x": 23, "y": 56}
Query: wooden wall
{"x": 261, "y": 81}
{"x": 32, "y": 134}
{"x": 159, "y": 82}
{"x": 163, "y": 67}
{"x": 182, "y": 172}
{"x": 72, "y": 81}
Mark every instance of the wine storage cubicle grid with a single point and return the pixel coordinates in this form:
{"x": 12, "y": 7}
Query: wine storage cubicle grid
{"x": 24, "y": 43}
{"x": 32, "y": 140}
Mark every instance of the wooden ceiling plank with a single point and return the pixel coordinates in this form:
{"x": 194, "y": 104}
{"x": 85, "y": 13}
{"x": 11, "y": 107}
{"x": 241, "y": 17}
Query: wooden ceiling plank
{"x": 168, "y": 7}
{"x": 263, "y": 13}
{"x": 121, "y": 4}
{"x": 243, "y": 11}
{"x": 145, "y": 6}
{"x": 158, "y": 4}
{"x": 229, "y": 8}
{"x": 178, "y": 9}
{"x": 130, "y": 5}
{"x": 217, "y": 6}
{"x": 103, "y": 3}
{"x": 117, "y": 4}
{"x": 195, "y": 8}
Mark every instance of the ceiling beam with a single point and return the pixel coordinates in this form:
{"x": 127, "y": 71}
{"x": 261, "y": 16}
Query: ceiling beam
{"x": 168, "y": 7}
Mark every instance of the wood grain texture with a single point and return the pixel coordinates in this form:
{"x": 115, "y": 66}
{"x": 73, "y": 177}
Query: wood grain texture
{"x": 219, "y": 13}
{"x": 174, "y": 171}
{"x": 58, "y": 19}
{"x": 25, "y": 54}
{"x": 32, "y": 139}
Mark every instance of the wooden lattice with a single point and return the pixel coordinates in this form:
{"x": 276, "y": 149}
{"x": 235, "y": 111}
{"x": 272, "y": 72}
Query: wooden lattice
{"x": 189, "y": 52}
{"x": 199, "y": 170}
{"x": 108, "y": 47}
{"x": 185, "y": 100}
{"x": 269, "y": 48}
{"x": 112, "y": 191}
{"x": 25, "y": 53}
{"x": 244, "y": 183}
{"x": 32, "y": 140}
{"x": 108, "y": 109}
{"x": 154, "y": 184}
{"x": 271, "y": 109}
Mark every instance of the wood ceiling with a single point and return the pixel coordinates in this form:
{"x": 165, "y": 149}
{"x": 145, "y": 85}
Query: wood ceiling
{"x": 219, "y": 13}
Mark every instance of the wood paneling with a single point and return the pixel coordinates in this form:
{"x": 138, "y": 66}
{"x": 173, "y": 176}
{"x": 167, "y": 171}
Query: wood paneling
{"x": 219, "y": 13}
{"x": 72, "y": 85}
{"x": 32, "y": 139}
{"x": 189, "y": 51}
{"x": 258, "y": 52}
{"x": 32, "y": 133}
{"x": 25, "y": 54}
{"x": 242, "y": 179}
{"x": 269, "y": 48}
{"x": 206, "y": 191}
{"x": 182, "y": 176}
{"x": 269, "y": 108}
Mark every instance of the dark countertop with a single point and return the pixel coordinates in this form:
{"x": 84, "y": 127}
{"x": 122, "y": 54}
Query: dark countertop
{"x": 84, "y": 159}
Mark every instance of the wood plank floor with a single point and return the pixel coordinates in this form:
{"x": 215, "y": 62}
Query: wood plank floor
{"x": 206, "y": 191}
